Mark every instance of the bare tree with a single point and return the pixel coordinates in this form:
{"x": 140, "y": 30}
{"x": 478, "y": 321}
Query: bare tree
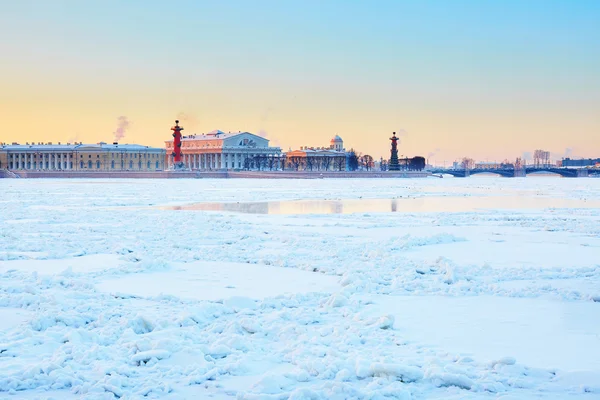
{"x": 467, "y": 163}
{"x": 383, "y": 164}
{"x": 326, "y": 163}
{"x": 367, "y": 162}
{"x": 340, "y": 163}
{"x": 295, "y": 162}
{"x": 271, "y": 162}
{"x": 541, "y": 158}
{"x": 311, "y": 162}
{"x": 518, "y": 163}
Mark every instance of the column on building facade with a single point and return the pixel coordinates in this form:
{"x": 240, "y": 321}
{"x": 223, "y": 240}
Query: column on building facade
{"x": 55, "y": 161}
{"x": 196, "y": 165}
{"x": 62, "y": 161}
{"x": 20, "y": 162}
{"x": 68, "y": 161}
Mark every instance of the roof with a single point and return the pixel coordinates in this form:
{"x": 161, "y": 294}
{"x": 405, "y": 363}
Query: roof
{"x": 337, "y": 138}
{"x": 217, "y": 134}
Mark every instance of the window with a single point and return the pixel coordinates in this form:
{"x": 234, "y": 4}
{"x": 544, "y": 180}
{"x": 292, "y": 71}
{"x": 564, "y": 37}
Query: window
{"x": 98, "y": 164}
{"x": 148, "y": 164}
{"x": 81, "y": 165}
{"x": 157, "y": 165}
{"x": 131, "y": 164}
{"x": 90, "y": 164}
{"x": 112, "y": 164}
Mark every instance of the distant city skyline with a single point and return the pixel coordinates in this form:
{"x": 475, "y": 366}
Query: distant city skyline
{"x": 487, "y": 80}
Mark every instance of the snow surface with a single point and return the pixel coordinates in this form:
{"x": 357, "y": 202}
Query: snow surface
{"x": 107, "y": 293}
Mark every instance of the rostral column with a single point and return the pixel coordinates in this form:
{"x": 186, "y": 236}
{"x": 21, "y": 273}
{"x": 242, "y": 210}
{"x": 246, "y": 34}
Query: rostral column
{"x": 177, "y": 164}
{"x": 394, "y": 166}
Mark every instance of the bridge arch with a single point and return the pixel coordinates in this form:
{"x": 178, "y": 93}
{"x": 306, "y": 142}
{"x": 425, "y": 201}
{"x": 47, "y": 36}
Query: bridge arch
{"x": 566, "y": 173}
{"x": 501, "y": 172}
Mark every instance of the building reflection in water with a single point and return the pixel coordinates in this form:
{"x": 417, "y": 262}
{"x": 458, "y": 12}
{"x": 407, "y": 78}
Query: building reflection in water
{"x": 419, "y": 204}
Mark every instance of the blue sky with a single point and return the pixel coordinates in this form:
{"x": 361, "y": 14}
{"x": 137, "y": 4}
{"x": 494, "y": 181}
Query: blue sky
{"x": 302, "y": 71}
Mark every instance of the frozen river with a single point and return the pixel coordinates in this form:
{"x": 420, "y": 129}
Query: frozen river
{"x": 477, "y": 288}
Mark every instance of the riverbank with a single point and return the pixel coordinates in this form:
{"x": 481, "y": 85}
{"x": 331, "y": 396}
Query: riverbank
{"x": 213, "y": 174}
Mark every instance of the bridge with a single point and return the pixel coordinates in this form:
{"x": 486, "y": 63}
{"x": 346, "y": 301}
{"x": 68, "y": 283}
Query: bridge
{"x": 511, "y": 172}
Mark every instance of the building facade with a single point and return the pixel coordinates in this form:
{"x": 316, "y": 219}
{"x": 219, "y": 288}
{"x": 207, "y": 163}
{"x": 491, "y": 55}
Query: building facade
{"x": 81, "y": 157}
{"x": 218, "y": 150}
{"x": 589, "y": 162}
{"x": 332, "y": 158}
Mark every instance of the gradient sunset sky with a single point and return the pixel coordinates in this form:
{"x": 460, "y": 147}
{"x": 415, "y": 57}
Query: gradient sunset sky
{"x": 485, "y": 79}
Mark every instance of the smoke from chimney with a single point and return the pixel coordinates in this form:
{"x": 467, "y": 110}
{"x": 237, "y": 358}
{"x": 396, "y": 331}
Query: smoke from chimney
{"x": 433, "y": 153}
{"x": 568, "y": 152}
{"x": 187, "y": 120}
{"x": 122, "y": 125}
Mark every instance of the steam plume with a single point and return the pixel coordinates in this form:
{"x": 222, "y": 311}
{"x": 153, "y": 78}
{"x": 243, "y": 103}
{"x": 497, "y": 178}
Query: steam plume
{"x": 122, "y": 125}
{"x": 187, "y": 120}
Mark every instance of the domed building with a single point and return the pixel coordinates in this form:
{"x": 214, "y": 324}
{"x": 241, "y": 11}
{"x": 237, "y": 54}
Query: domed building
{"x": 332, "y": 158}
{"x": 337, "y": 143}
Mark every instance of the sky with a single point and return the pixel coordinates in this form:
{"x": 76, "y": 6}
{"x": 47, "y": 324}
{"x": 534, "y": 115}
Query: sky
{"x": 484, "y": 79}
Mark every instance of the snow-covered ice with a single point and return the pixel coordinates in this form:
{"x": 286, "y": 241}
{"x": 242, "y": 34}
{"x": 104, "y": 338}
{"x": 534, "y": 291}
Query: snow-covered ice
{"x": 474, "y": 288}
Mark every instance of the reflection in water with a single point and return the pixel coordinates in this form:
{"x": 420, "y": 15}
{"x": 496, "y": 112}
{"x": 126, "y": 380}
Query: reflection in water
{"x": 420, "y": 204}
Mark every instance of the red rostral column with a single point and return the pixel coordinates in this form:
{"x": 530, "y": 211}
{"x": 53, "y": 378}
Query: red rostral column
{"x": 176, "y": 143}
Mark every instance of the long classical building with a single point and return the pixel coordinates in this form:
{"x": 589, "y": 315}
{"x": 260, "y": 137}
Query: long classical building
{"x": 218, "y": 150}
{"x": 332, "y": 158}
{"x": 81, "y": 157}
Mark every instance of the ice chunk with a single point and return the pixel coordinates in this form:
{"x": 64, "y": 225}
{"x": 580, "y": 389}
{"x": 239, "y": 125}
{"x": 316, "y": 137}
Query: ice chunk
{"x": 145, "y": 356}
{"x": 403, "y": 372}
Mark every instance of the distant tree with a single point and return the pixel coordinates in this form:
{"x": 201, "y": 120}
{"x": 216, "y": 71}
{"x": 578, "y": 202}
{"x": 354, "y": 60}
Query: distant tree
{"x": 467, "y": 163}
{"x": 353, "y": 160}
{"x": 417, "y": 163}
{"x": 340, "y": 163}
{"x": 247, "y": 163}
{"x": 541, "y": 158}
{"x": 295, "y": 162}
{"x": 326, "y": 163}
{"x": 311, "y": 162}
{"x": 383, "y": 165}
{"x": 518, "y": 163}
{"x": 282, "y": 162}
{"x": 271, "y": 162}
{"x": 367, "y": 162}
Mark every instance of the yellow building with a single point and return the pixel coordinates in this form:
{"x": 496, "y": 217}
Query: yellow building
{"x": 81, "y": 157}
